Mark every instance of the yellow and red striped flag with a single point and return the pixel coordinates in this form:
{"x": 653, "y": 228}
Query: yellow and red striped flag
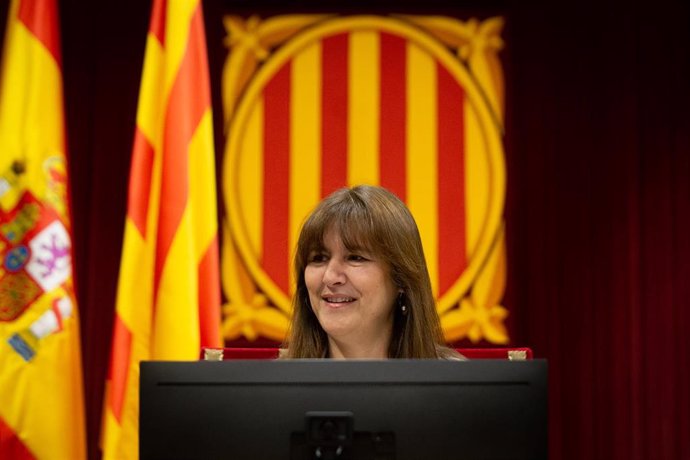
{"x": 168, "y": 299}
{"x": 41, "y": 396}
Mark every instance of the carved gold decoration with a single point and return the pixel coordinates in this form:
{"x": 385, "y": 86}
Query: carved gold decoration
{"x": 480, "y": 315}
{"x": 213, "y": 354}
{"x": 472, "y": 307}
{"x": 250, "y": 42}
{"x": 517, "y": 355}
{"x": 477, "y": 44}
{"x": 247, "y": 313}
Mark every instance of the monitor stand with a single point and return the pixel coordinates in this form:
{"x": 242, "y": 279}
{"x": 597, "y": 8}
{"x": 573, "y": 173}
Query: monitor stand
{"x": 331, "y": 436}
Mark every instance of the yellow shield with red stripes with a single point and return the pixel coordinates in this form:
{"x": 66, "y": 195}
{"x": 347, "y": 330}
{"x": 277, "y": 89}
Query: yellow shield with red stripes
{"x": 411, "y": 103}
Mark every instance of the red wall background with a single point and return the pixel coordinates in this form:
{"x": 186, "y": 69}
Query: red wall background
{"x": 597, "y": 214}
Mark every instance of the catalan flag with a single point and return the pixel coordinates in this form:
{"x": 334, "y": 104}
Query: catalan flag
{"x": 41, "y": 396}
{"x": 168, "y": 299}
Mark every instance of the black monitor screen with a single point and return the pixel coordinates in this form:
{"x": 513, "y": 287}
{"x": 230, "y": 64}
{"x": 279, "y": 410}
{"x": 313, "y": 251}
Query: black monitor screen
{"x": 308, "y": 409}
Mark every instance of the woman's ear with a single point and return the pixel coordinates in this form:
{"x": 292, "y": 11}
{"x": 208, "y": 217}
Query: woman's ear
{"x": 401, "y": 303}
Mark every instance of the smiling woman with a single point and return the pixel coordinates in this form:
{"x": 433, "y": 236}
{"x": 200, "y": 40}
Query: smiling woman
{"x": 352, "y": 295}
{"x": 363, "y": 288}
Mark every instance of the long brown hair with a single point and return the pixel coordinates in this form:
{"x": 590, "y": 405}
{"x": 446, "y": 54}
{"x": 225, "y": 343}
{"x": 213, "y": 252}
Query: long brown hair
{"x": 371, "y": 218}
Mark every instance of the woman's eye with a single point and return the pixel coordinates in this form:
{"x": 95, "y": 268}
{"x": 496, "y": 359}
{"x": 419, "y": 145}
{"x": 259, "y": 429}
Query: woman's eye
{"x": 356, "y": 258}
{"x": 316, "y": 258}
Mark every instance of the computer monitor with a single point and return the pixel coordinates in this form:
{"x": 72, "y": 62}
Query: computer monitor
{"x": 351, "y": 410}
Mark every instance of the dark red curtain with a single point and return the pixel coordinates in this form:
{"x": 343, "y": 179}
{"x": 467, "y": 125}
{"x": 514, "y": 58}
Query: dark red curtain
{"x": 598, "y": 220}
{"x": 597, "y": 214}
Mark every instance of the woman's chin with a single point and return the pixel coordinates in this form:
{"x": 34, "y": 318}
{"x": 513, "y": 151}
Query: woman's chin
{"x": 337, "y": 327}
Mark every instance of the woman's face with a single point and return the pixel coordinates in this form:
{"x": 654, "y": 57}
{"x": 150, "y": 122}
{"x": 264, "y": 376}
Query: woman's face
{"x": 352, "y": 294}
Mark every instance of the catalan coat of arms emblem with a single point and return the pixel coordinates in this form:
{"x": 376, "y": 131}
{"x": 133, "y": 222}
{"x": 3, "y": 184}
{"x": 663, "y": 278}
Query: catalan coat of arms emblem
{"x": 313, "y": 103}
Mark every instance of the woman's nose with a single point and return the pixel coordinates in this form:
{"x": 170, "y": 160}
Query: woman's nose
{"x": 334, "y": 273}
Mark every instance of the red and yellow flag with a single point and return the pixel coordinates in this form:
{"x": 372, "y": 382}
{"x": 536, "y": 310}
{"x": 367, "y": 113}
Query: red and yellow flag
{"x": 41, "y": 397}
{"x": 168, "y": 299}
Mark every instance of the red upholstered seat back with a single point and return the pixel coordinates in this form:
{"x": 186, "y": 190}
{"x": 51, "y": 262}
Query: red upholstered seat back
{"x": 217, "y": 354}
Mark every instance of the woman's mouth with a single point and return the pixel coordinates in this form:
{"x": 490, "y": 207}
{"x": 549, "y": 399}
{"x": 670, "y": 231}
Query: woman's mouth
{"x": 337, "y": 301}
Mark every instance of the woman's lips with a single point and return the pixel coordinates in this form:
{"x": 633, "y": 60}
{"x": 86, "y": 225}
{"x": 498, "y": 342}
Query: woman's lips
{"x": 338, "y": 301}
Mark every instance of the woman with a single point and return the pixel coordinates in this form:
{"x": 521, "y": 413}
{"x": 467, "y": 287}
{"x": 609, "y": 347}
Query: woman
{"x": 363, "y": 289}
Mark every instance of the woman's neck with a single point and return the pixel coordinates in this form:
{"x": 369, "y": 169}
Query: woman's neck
{"x": 340, "y": 350}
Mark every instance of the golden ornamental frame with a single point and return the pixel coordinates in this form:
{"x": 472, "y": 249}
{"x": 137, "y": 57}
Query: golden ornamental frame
{"x": 255, "y": 44}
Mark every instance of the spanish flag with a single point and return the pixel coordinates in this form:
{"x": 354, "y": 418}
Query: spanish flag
{"x": 168, "y": 299}
{"x": 41, "y": 396}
